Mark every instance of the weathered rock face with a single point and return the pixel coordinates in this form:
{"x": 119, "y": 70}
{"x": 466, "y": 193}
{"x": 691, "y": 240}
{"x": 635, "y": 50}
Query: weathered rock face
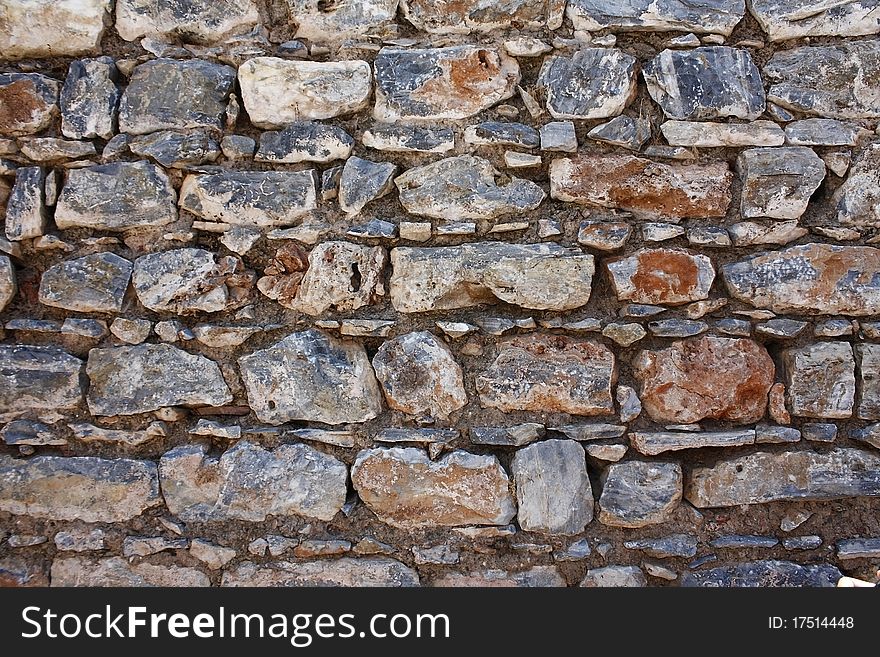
{"x": 28, "y": 103}
{"x": 319, "y": 22}
{"x": 26, "y": 215}
{"x": 547, "y": 374}
{"x": 705, "y": 83}
{"x": 821, "y": 380}
{"x": 707, "y": 377}
{"x": 363, "y": 181}
{"x": 405, "y": 489}
{"x": 248, "y": 482}
{"x": 89, "y": 99}
{"x": 366, "y": 572}
{"x": 654, "y": 443}
{"x": 441, "y": 83}
{"x": 95, "y": 283}
{"x": 311, "y": 376}
{"x": 553, "y": 490}
{"x": 703, "y": 134}
{"x": 195, "y": 21}
{"x": 639, "y": 493}
{"x": 702, "y": 16}
{"x": 409, "y": 138}
{"x": 792, "y": 19}
{"x": 778, "y": 182}
{"x": 764, "y": 574}
{"x": 277, "y": 92}
{"x": 536, "y": 576}
{"x": 8, "y": 285}
{"x": 813, "y": 278}
{"x": 858, "y": 198}
{"x": 869, "y": 381}
{"x": 537, "y": 276}
{"x": 175, "y": 149}
{"x": 593, "y": 84}
{"x": 644, "y": 187}
{"x": 794, "y": 475}
{"x": 116, "y": 196}
{"x": 661, "y": 276}
{"x": 116, "y": 571}
{"x": 615, "y": 577}
{"x": 78, "y": 488}
{"x": 475, "y": 16}
{"x": 137, "y": 379}
{"x": 33, "y": 377}
{"x": 420, "y": 376}
{"x": 51, "y": 28}
{"x": 305, "y": 141}
{"x": 839, "y": 81}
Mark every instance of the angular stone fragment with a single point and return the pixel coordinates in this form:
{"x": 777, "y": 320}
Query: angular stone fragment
{"x": 674, "y": 545}
{"x": 441, "y": 83}
{"x": 465, "y": 187}
{"x": 475, "y": 16}
{"x": 277, "y": 92}
{"x": 78, "y": 488}
{"x": 778, "y": 182}
{"x": 604, "y": 236}
{"x": 809, "y": 279}
{"x": 667, "y": 276}
{"x": 594, "y": 83}
{"x": 408, "y": 138}
{"x": 38, "y": 377}
{"x": 821, "y": 380}
{"x": 26, "y": 214}
{"x": 537, "y": 276}
{"x": 701, "y": 16}
{"x": 823, "y": 132}
{"x": 838, "y": 81}
{"x": 28, "y": 432}
{"x": 51, "y": 28}
{"x": 514, "y": 436}
{"x": 752, "y": 233}
{"x": 644, "y": 187}
{"x": 420, "y": 376}
{"x": 558, "y": 136}
{"x": 94, "y": 283}
{"x": 405, "y": 489}
{"x": 116, "y": 196}
{"x": 764, "y": 574}
{"x": 591, "y": 431}
{"x": 702, "y": 134}
{"x": 250, "y": 198}
{"x": 88, "y": 433}
{"x": 792, "y": 19}
{"x": 366, "y": 572}
{"x": 858, "y": 198}
{"x": 651, "y": 444}
{"x": 175, "y": 149}
{"x": 311, "y": 376}
{"x": 305, "y": 141}
{"x": 639, "y": 493}
{"x": 89, "y": 99}
{"x": 248, "y": 482}
{"x": 171, "y": 94}
{"x": 116, "y": 571}
{"x": 536, "y": 576}
{"x": 320, "y": 22}
{"x": 502, "y": 133}
{"x": 138, "y": 379}
{"x": 363, "y": 181}
{"x": 623, "y": 131}
{"x": 28, "y": 103}
{"x": 869, "y": 380}
{"x": 552, "y": 487}
{"x": 550, "y": 374}
{"x": 615, "y": 576}
{"x": 194, "y": 21}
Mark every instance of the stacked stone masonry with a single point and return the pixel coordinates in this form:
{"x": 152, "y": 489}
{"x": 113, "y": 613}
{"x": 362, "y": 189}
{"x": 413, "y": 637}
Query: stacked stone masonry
{"x": 403, "y": 292}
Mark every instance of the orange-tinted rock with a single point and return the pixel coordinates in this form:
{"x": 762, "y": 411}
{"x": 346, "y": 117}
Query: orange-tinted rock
{"x": 642, "y": 186}
{"x": 550, "y": 374}
{"x": 28, "y": 103}
{"x": 776, "y": 403}
{"x": 656, "y": 276}
{"x": 707, "y": 377}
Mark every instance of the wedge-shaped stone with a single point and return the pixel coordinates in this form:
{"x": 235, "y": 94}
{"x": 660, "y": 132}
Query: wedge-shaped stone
{"x": 194, "y": 21}
{"x": 41, "y": 378}
{"x": 143, "y": 378}
{"x": 305, "y": 141}
{"x": 700, "y": 16}
{"x": 116, "y": 571}
{"x": 764, "y": 574}
{"x": 28, "y": 102}
{"x": 321, "y": 22}
{"x": 651, "y": 444}
{"x": 793, "y": 19}
{"x": 406, "y": 489}
{"x": 821, "y": 380}
{"x": 703, "y": 134}
{"x": 176, "y": 149}
{"x": 644, "y": 187}
{"x": 314, "y": 377}
{"x": 441, "y": 83}
{"x": 550, "y": 374}
{"x": 778, "y": 182}
{"x": 594, "y": 83}
{"x": 26, "y": 215}
{"x": 51, "y": 28}
{"x": 94, "y": 283}
{"x": 475, "y": 16}
{"x": 248, "y": 482}
{"x": 367, "y": 572}
{"x": 277, "y": 92}
{"x": 116, "y": 196}
{"x": 78, "y": 488}
{"x": 858, "y": 198}
{"x": 89, "y": 99}
{"x": 668, "y": 276}
{"x": 537, "y": 276}
{"x": 812, "y": 278}
{"x": 639, "y": 493}
{"x": 782, "y": 476}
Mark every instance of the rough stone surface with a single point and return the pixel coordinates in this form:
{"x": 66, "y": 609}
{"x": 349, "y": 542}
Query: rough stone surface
{"x": 639, "y": 493}
{"x": 363, "y": 181}
{"x": 26, "y": 214}
{"x": 702, "y": 16}
{"x": 821, "y": 380}
{"x": 305, "y": 141}
{"x": 537, "y": 576}
{"x": 51, "y": 28}
{"x": 655, "y": 276}
{"x": 703, "y": 134}
{"x": 615, "y": 576}
{"x": 89, "y": 99}
{"x": 475, "y": 16}
{"x": 116, "y": 571}
{"x": 778, "y": 182}
{"x": 764, "y": 574}
{"x": 594, "y": 83}
{"x": 793, "y": 19}
{"x": 195, "y": 21}
{"x": 858, "y": 198}
{"x": 95, "y": 283}
{"x": 364, "y": 572}
{"x": 8, "y": 285}
{"x": 38, "y": 377}
{"x": 869, "y": 381}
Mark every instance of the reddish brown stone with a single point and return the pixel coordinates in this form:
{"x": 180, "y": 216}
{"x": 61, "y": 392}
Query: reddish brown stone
{"x": 27, "y": 103}
{"x": 776, "y": 405}
{"x": 654, "y": 276}
{"x": 707, "y": 377}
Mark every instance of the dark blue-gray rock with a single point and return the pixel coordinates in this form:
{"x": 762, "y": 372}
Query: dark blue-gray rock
{"x": 330, "y": 183}
{"x": 89, "y": 99}
{"x": 26, "y": 214}
{"x": 623, "y": 131}
{"x": 820, "y": 380}
{"x": 116, "y": 196}
{"x": 764, "y": 574}
{"x": 305, "y": 141}
{"x": 712, "y": 82}
{"x": 84, "y": 327}
{"x": 34, "y": 325}
{"x": 374, "y": 229}
{"x": 858, "y": 548}
{"x": 824, "y": 132}
{"x": 833, "y": 328}
{"x": 677, "y": 328}
{"x": 792, "y": 19}
{"x": 577, "y": 551}
{"x": 512, "y": 436}
{"x": 674, "y": 545}
{"x": 869, "y": 435}
{"x": 802, "y": 542}
{"x": 640, "y": 310}
{"x": 138, "y": 379}
{"x": 94, "y": 283}
{"x": 31, "y": 433}
{"x": 777, "y": 476}
{"x": 799, "y": 79}
{"x": 408, "y": 138}
{"x": 54, "y": 149}
{"x": 778, "y": 182}
{"x": 767, "y": 433}
{"x": 238, "y": 147}
{"x": 639, "y": 493}
{"x": 441, "y": 83}
{"x": 615, "y": 577}
{"x": 39, "y": 378}
{"x": 478, "y": 16}
{"x": 501, "y": 133}
{"x": 702, "y": 561}
{"x": 28, "y": 103}
{"x": 858, "y": 198}
{"x": 781, "y": 327}
{"x": 465, "y": 187}
{"x": 363, "y": 181}
{"x": 171, "y": 94}
{"x": 653, "y": 443}
{"x": 594, "y": 83}
{"x": 558, "y": 136}
{"x": 175, "y": 149}
{"x": 743, "y": 542}
{"x": 819, "y": 432}
{"x": 701, "y": 16}
{"x": 192, "y": 21}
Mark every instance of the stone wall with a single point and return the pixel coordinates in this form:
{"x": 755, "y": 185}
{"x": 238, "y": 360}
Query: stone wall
{"x": 439, "y": 293}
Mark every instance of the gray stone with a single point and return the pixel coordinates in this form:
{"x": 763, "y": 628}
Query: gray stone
{"x": 513, "y": 436}
{"x": 430, "y": 437}
{"x": 175, "y": 149}
{"x": 26, "y": 214}
{"x": 558, "y": 136}
{"x": 238, "y": 147}
{"x": 54, "y": 149}
{"x": 363, "y": 181}
{"x": 778, "y": 182}
{"x": 869, "y": 380}
{"x": 306, "y": 376}
{"x": 28, "y": 102}
{"x": 712, "y": 236}
{"x": 94, "y": 283}
{"x": 138, "y": 379}
{"x": 442, "y": 555}
{"x": 706, "y": 83}
{"x": 752, "y": 233}
{"x": 677, "y": 328}
{"x": 552, "y": 487}
{"x": 869, "y": 434}
{"x": 408, "y": 138}
{"x": 608, "y": 453}
{"x": 594, "y": 83}
{"x": 655, "y": 231}
{"x": 604, "y": 236}
{"x": 821, "y": 380}
{"x": 213, "y": 556}
{"x": 364, "y": 572}
{"x": 374, "y": 229}
{"x": 89, "y": 99}
{"x": 465, "y": 187}
{"x": 116, "y": 196}
{"x": 51, "y": 28}
{"x": 577, "y": 551}
{"x": 305, "y": 141}
{"x": 823, "y": 132}
{"x": 502, "y": 133}
{"x": 80, "y": 540}
{"x": 536, "y": 576}
{"x": 323, "y": 23}
{"x": 250, "y": 483}
{"x": 591, "y": 431}
{"x": 116, "y": 571}
{"x": 770, "y": 434}
{"x": 701, "y": 134}
{"x": 660, "y": 571}
{"x": 858, "y": 198}
{"x": 792, "y": 19}
{"x": 661, "y": 276}
{"x": 195, "y": 21}
{"x": 653, "y": 443}
{"x": 743, "y": 542}
{"x": 8, "y": 285}
{"x": 639, "y": 493}
{"x": 29, "y": 432}
{"x": 615, "y": 576}
{"x": 674, "y": 545}
{"x": 629, "y": 403}
{"x": 764, "y": 574}
{"x": 87, "y": 328}
{"x": 794, "y": 519}
{"x": 802, "y": 542}
{"x": 39, "y": 378}
{"x": 833, "y": 328}
{"x": 144, "y": 546}
{"x": 475, "y": 16}
{"x": 170, "y": 94}
{"x": 858, "y": 548}
{"x": 781, "y": 328}
{"x": 701, "y": 16}
{"x": 78, "y": 488}
{"x": 623, "y": 131}
{"x": 819, "y": 432}
{"x": 131, "y": 331}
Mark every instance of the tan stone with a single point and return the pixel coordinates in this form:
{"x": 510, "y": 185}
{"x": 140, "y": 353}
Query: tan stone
{"x": 367, "y": 572}
{"x": 51, "y": 28}
{"x": 655, "y": 276}
{"x": 116, "y": 571}
{"x": 821, "y": 380}
{"x": 536, "y": 576}
{"x": 776, "y": 404}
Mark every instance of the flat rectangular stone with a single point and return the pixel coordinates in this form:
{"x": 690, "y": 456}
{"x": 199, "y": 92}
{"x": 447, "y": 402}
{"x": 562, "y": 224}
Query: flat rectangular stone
{"x": 652, "y": 444}
{"x": 704, "y": 134}
{"x": 700, "y": 16}
{"x": 37, "y": 377}
{"x": 858, "y": 548}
